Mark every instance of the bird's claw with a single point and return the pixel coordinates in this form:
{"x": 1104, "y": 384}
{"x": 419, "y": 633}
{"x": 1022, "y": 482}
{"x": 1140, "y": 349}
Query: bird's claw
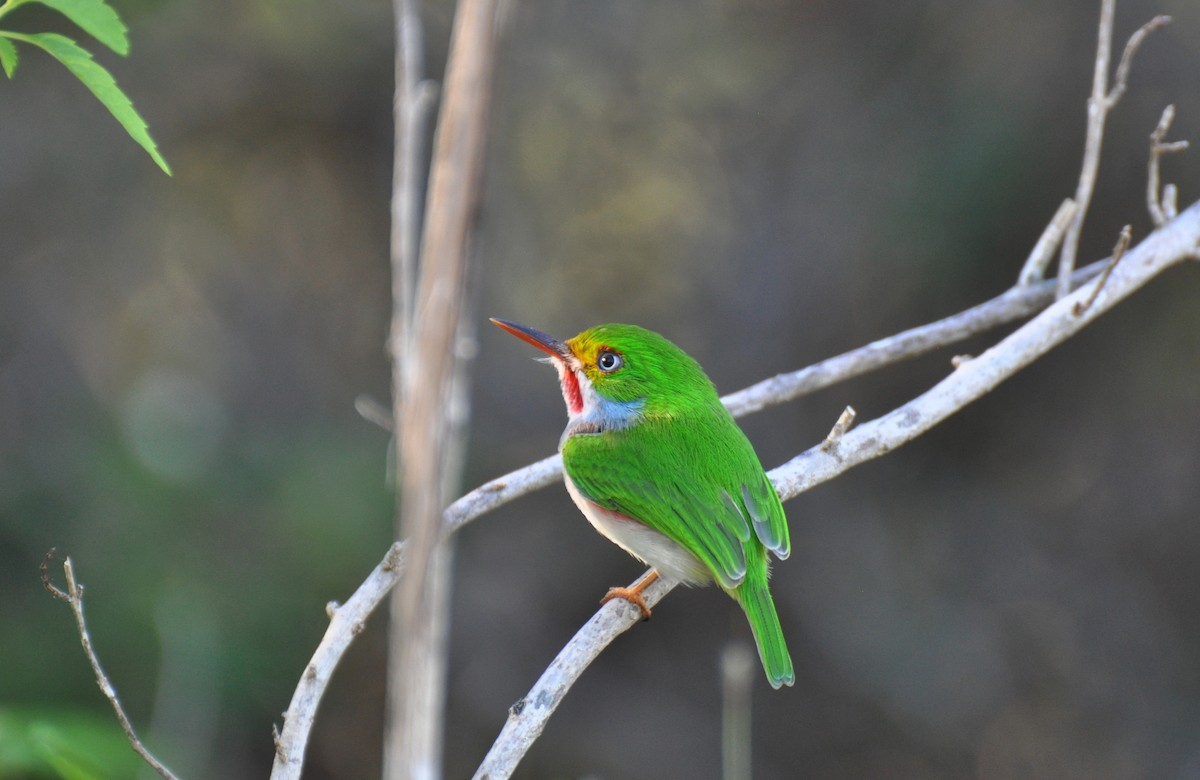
{"x": 632, "y": 595}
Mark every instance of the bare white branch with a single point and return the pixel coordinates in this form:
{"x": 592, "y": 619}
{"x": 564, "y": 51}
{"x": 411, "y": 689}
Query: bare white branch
{"x": 1177, "y": 242}
{"x": 1015, "y": 304}
{"x": 346, "y": 622}
{"x": 1174, "y": 244}
{"x": 528, "y": 717}
{"x": 1012, "y": 305}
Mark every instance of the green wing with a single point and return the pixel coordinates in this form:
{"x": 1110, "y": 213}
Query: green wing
{"x": 695, "y": 480}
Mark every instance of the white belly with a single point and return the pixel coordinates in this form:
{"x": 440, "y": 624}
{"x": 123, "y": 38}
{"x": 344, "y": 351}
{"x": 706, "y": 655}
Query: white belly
{"x": 641, "y": 541}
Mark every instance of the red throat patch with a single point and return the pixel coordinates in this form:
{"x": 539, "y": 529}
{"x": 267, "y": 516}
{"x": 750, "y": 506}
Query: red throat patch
{"x": 570, "y": 390}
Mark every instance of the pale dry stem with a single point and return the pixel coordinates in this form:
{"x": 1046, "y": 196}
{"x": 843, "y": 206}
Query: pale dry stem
{"x": 73, "y": 595}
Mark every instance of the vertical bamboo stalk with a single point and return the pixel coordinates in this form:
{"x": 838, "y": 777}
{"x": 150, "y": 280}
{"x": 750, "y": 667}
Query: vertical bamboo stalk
{"x": 424, "y": 365}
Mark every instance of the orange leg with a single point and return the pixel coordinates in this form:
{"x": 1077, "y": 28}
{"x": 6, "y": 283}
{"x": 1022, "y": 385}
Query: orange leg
{"x": 633, "y": 595}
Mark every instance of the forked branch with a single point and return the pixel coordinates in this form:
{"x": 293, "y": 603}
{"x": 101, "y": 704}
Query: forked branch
{"x": 1101, "y": 101}
{"x": 1014, "y": 304}
{"x": 1162, "y": 206}
{"x": 1178, "y": 242}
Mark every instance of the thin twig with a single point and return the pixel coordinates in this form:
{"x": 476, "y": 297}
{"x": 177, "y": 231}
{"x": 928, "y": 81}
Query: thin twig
{"x": 374, "y": 412}
{"x": 1043, "y": 251}
{"x": 1118, "y": 252}
{"x": 1101, "y": 101}
{"x": 1121, "y": 80}
{"x": 1177, "y": 242}
{"x": 1161, "y": 211}
{"x": 54, "y": 590}
{"x": 1097, "y": 110}
{"x": 73, "y": 595}
{"x": 1014, "y": 304}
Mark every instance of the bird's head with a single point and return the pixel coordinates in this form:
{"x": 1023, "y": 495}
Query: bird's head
{"x": 619, "y": 364}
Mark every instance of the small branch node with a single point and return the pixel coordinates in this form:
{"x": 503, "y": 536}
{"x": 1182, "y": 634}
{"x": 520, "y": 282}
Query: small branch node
{"x": 958, "y": 361}
{"x": 839, "y": 429}
{"x": 1118, "y": 252}
{"x": 331, "y": 609}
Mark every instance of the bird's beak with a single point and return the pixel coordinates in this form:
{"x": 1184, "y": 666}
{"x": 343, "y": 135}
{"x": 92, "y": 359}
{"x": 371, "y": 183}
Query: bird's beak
{"x": 549, "y": 344}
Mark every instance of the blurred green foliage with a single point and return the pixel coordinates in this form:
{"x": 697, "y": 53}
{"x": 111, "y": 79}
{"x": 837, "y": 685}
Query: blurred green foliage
{"x": 82, "y": 745}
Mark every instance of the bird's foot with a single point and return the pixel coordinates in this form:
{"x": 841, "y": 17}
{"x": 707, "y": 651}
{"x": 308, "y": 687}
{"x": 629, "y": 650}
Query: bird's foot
{"x": 632, "y": 595}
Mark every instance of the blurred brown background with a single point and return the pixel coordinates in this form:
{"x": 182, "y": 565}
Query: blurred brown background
{"x": 768, "y": 183}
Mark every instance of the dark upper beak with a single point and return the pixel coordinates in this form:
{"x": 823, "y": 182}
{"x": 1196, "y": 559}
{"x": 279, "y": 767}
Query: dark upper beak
{"x": 535, "y": 337}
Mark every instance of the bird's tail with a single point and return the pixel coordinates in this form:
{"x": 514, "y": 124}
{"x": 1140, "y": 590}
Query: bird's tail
{"x": 764, "y": 623}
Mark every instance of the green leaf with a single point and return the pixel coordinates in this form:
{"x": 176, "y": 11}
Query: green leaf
{"x": 97, "y": 19}
{"x": 79, "y": 61}
{"x": 8, "y": 57}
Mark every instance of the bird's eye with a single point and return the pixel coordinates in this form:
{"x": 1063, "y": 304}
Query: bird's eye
{"x": 609, "y": 361}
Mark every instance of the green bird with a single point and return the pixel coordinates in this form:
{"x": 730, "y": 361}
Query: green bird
{"x": 657, "y": 464}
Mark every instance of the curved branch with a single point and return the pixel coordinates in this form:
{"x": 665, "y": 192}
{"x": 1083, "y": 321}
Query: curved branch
{"x": 347, "y": 620}
{"x": 1178, "y": 241}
